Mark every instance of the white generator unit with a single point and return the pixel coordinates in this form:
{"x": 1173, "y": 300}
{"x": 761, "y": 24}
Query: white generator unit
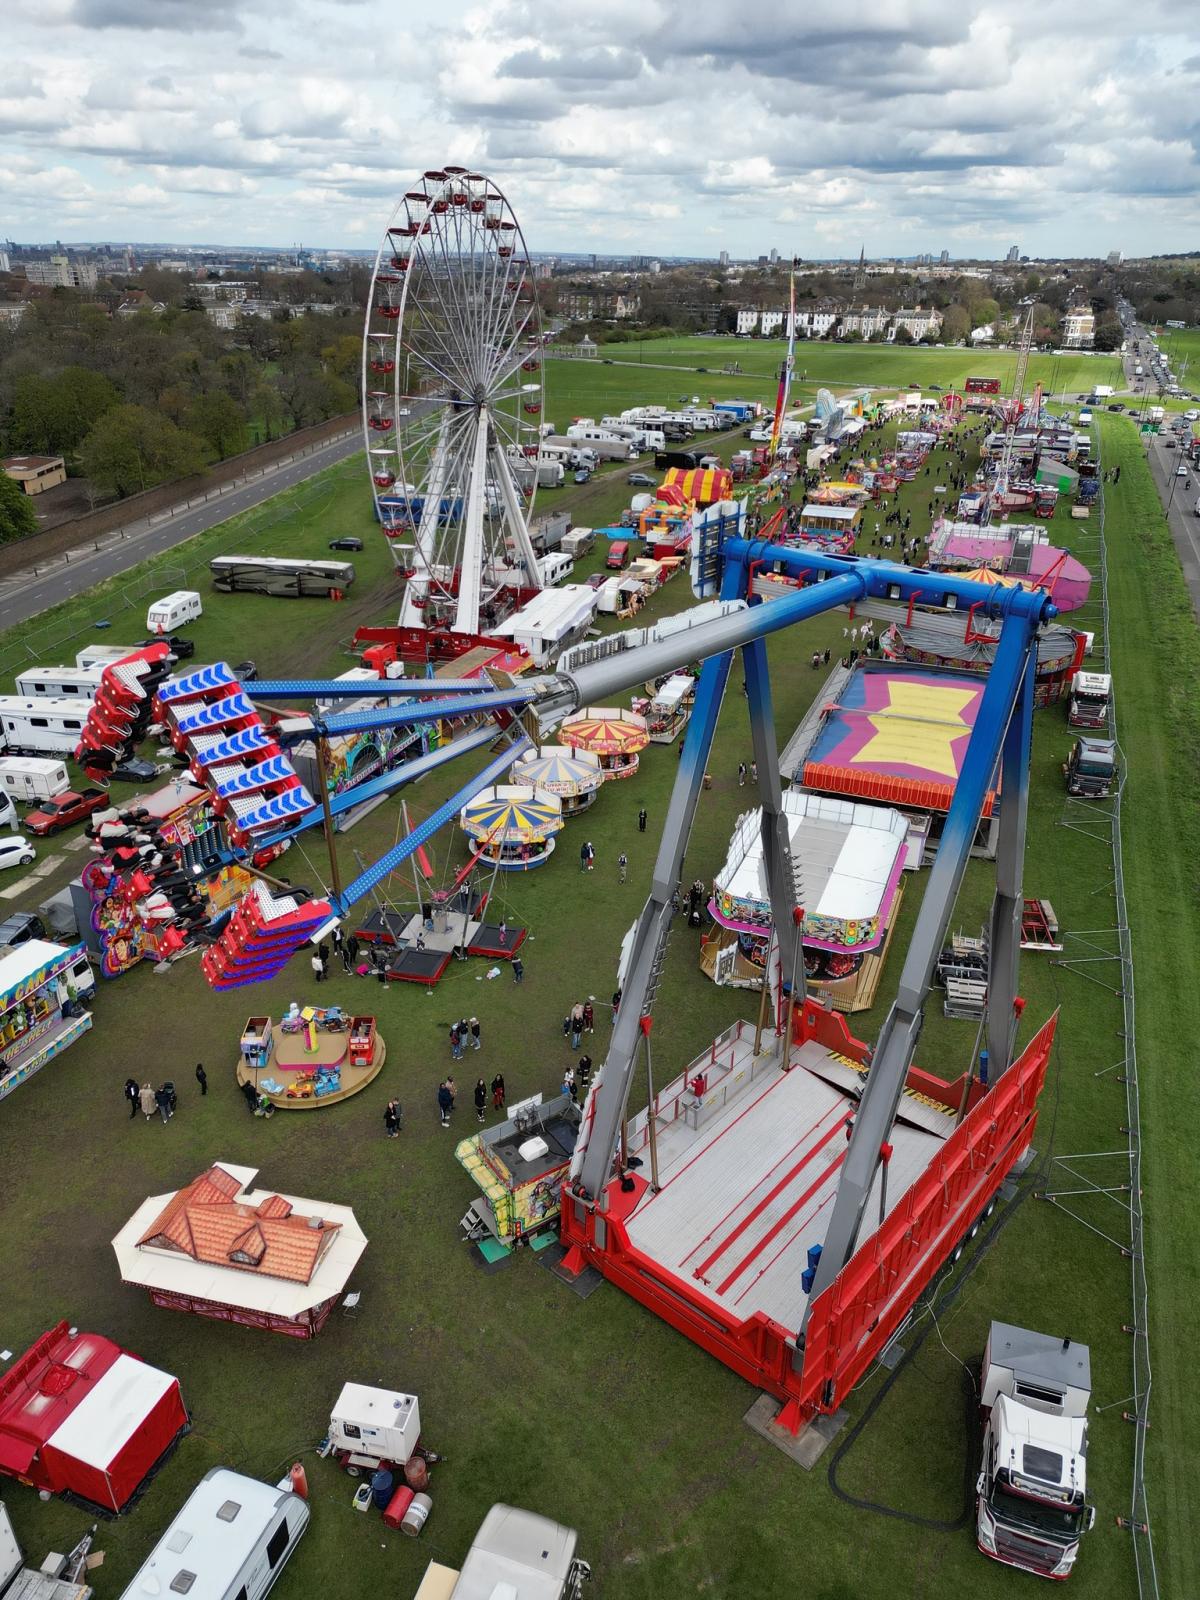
{"x": 370, "y": 1428}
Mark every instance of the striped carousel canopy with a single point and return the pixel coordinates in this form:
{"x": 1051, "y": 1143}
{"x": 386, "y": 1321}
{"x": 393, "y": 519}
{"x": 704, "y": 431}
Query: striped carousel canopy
{"x": 560, "y": 771}
{"x": 512, "y": 814}
{"x": 606, "y": 731}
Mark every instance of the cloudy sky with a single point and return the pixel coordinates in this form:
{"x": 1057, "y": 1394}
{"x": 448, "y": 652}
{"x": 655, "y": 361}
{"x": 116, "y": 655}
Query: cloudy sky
{"x": 656, "y": 126}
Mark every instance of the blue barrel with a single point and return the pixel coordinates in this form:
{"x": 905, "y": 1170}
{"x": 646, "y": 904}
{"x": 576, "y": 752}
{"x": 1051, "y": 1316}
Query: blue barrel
{"x": 382, "y": 1489}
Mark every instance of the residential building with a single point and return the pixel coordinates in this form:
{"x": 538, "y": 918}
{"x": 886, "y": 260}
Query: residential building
{"x": 1114, "y": 258}
{"x": 864, "y": 322}
{"x": 984, "y": 335}
{"x": 747, "y": 321}
{"x": 5, "y": 263}
{"x": 1079, "y": 327}
{"x": 918, "y": 321}
{"x": 724, "y": 258}
{"x": 1014, "y": 253}
{"x": 773, "y": 258}
{"x": 221, "y": 289}
{"x": 770, "y": 322}
{"x": 35, "y": 474}
{"x": 944, "y": 258}
{"x": 136, "y": 300}
{"x": 221, "y": 315}
{"x": 11, "y": 312}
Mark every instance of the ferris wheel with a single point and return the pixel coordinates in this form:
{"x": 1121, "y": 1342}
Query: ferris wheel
{"x": 453, "y": 399}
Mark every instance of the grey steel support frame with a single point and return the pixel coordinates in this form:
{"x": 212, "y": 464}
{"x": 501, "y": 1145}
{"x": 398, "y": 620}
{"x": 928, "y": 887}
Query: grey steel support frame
{"x": 776, "y": 835}
{"x": 897, "y": 1042}
{"x": 1004, "y": 942}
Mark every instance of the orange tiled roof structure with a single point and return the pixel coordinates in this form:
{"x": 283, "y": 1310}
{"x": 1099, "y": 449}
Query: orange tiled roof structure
{"x": 204, "y": 1220}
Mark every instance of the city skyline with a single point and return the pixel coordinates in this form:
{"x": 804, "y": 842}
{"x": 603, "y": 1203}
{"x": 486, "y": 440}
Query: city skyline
{"x": 648, "y": 132}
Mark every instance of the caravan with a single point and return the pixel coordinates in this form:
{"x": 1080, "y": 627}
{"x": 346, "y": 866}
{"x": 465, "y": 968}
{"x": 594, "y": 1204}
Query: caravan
{"x": 32, "y": 778}
{"x": 59, "y": 683}
{"x": 173, "y": 611}
{"x": 229, "y": 1541}
{"x": 42, "y": 727}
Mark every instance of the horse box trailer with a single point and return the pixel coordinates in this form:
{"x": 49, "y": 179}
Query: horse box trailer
{"x": 32, "y": 778}
{"x": 82, "y": 1418}
{"x": 42, "y": 727}
{"x": 173, "y": 611}
{"x": 229, "y": 1541}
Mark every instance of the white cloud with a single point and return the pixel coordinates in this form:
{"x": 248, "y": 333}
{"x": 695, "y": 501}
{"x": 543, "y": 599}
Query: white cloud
{"x": 669, "y": 126}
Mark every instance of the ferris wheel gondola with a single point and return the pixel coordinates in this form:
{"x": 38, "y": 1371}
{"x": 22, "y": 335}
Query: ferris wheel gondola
{"x": 452, "y": 397}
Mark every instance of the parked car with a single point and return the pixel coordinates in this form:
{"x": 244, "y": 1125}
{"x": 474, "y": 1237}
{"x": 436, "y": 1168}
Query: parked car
{"x": 65, "y": 809}
{"x": 1116, "y": 408}
{"x": 1181, "y": 471}
{"x": 21, "y": 927}
{"x": 178, "y": 648}
{"x": 640, "y": 480}
{"x": 16, "y": 851}
{"x": 618, "y": 555}
{"x": 936, "y": 386}
{"x": 134, "y": 770}
{"x": 583, "y": 475}
{"x": 345, "y": 544}
{"x": 595, "y": 580}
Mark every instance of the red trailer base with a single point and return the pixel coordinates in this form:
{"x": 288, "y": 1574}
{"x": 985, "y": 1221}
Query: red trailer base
{"x": 748, "y": 1164}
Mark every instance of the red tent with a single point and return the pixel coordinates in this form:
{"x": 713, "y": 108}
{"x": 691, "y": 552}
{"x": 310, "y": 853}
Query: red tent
{"x": 80, "y": 1417}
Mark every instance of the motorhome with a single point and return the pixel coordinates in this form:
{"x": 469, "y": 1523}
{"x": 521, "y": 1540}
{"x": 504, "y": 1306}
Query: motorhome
{"x": 553, "y": 568}
{"x": 578, "y": 542}
{"x": 59, "y": 683}
{"x": 32, "y": 778}
{"x": 173, "y": 611}
{"x": 42, "y": 727}
{"x": 229, "y": 1541}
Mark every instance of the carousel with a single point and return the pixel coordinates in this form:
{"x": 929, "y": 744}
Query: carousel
{"x": 574, "y": 776}
{"x": 512, "y": 827}
{"x": 615, "y": 735}
{"x": 313, "y": 1056}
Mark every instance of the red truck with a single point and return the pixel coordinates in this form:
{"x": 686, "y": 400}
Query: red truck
{"x": 66, "y": 809}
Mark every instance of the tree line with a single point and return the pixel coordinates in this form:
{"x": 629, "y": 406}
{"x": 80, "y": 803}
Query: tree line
{"x": 131, "y": 401}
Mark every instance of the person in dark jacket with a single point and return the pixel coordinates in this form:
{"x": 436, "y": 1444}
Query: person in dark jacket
{"x": 250, "y": 1095}
{"x": 162, "y": 1100}
{"x": 131, "y": 1094}
{"x": 445, "y": 1103}
{"x": 498, "y": 1092}
{"x": 480, "y": 1099}
{"x": 391, "y": 1119}
{"x": 202, "y": 1077}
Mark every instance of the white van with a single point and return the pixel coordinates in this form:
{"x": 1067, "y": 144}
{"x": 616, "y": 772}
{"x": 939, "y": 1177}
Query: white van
{"x": 32, "y": 778}
{"x": 173, "y": 611}
{"x": 59, "y": 683}
{"x": 42, "y": 727}
{"x": 229, "y": 1541}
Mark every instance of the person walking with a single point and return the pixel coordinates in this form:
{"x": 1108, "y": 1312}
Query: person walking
{"x": 583, "y": 856}
{"x": 456, "y": 1044}
{"x": 480, "y": 1099}
{"x": 585, "y": 1074}
{"x": 453, "y": 1088}
{"x": 642, "y": 820}
{"x": 498, "y": 1092}
{"x": 318, "y": 965}
{"x": 350, "y": 953}
{"x": 476, "y": 1042}
{"x": 568, "y": 1083}
{"x": 616, "y": 1003}
{"x": 249, "y": 1095}
{"x": 741, "y": 774}
{"x": 391, "y": 1119}
{"x": 163, "y": 1102}
{"x": 622, "y": 867}
{"x": 826, "y": 658}
{"x": 754, "y": 772}
{"x": 518, "y": 967}
{"x": 576, "y": 1021}
{"x": 445, "y": 1102}
{"x": 202, "y": 1078}
{"x": 589, "y": 1017}
{"x": 131, "y": 1094}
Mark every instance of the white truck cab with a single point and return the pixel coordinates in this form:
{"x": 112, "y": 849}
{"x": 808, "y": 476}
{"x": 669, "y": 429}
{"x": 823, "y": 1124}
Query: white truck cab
{"x": 1031, "y": 1491}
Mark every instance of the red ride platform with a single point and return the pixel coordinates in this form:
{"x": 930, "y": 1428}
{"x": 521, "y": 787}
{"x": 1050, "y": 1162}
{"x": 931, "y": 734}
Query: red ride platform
{"x": 749, "y": 1157}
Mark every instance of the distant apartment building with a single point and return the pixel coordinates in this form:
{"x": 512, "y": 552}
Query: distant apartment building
{"x": 944, "y": 258}
{"x": 863, "y": 323}
{"x": 221, "y": 314}
{"x": 1114, "y": 258}
{"x": 724, "y": 258}
{"x": 137, "y": 300}
{"x": 5, "y": 263}
{"x": 60, "y": 272}
{"x": 918, "y": 321}
{"x": 1079, "y": 328}
{"x": 215, "y": 289}
{"x": 747, "y": 321}
{"x": 1014, "y": 253}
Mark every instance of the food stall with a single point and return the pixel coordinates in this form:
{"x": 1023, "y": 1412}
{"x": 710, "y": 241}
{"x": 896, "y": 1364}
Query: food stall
{"x": 40, "y": 1014}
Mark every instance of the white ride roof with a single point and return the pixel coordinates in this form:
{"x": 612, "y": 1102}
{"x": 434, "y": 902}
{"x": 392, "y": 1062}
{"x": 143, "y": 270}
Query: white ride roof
{"x": 516, "y": 1554}
{"x": 108, "y": 1416}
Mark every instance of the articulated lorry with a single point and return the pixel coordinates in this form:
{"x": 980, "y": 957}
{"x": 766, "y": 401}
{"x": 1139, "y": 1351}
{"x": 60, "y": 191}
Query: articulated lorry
{"x": 1088, "y": 704}
{"x": 1032, "y": 1505}
{"x": 1091, "y": 769}
{"x": 515, "y": 1554}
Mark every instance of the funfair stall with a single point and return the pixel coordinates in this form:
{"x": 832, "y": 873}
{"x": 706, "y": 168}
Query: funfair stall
{"x": 575, "y": 776}
{"x": 219, "y": 1249}
{"x": 512, "y": 827}
{"x": 82, "y": 1418}
{"x": 40, "y": 1013}
{"x": 615, "y": 735}
{"x": 850, "y": 858}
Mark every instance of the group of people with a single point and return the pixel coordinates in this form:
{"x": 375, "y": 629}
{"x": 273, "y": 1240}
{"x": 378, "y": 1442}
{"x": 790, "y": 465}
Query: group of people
{"x": 163, "y": 1101}
{"x": 579, "y": 1020}
{"x": 447, "y": 1094}
{"x": 577, "y": 1080}
{"x": 347, "y": 949}
{"x": 465, "y": 1035}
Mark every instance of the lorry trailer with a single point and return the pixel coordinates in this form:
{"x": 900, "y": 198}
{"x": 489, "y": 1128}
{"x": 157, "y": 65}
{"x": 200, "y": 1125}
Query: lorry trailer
{"x": 516, "y": 1555}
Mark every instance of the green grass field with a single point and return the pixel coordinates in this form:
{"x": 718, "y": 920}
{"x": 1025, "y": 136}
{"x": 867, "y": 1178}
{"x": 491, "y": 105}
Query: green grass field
{"x": 884, "y": 366}
{"x": 596, "y": 1412}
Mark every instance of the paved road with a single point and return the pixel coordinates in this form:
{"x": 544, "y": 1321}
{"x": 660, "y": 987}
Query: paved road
{"x": 25, "y": 595}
